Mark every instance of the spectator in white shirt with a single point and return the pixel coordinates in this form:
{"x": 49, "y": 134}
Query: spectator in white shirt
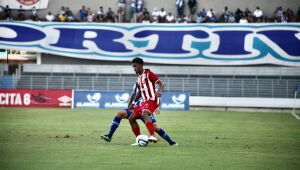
{"x": 243, "y": 20}
{"x": 162, "y": 16}
{"x": 257, "y": 15}
{"x": 49, "y": 17}
{"x": 170, "y": 18}
{"x": 155, "y": 14}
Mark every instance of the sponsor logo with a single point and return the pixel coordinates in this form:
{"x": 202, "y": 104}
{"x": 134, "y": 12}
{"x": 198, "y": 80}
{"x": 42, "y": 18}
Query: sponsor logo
{"x": 121, "y": 101}
{"x": 178, "y": 102}
{"x": 28, "y": 2}
{"x": 65, "y": 101}
{"x": 122, "y": 98}
{"x": 93, "y": 101}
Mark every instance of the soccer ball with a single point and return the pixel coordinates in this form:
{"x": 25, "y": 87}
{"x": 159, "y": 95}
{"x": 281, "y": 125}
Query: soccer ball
{"x": 142, "y": 140}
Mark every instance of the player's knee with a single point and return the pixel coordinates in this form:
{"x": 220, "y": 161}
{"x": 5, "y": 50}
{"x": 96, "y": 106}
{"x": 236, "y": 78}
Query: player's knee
{"x": 145, "y": 113}
{"x": 156, "y": 127}
{"x": 122, "y": 114}
{"x": 131, "y": 119}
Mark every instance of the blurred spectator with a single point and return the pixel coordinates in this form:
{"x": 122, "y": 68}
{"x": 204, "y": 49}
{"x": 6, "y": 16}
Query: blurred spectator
{"x": 284, "y": 18}
{"x": 34, "y": 14}
{"x": 211, "y": 16}
{"x": 49, "y": 17}
{"x": 83, "y": 13}
{"x": 121, "y": 15}
{"x": 181, "y": 19}
{"x": 170, "y": 18}
{"x": 21, "y": 13}
{"x": 133, "y": 10}
{"x": 238, "y": 15}
{"x": 140, "y": 5}
{"x": 190, "y": 19}
{"x": 231, "y": 18}
{"x": 122, "y": 4}
{"x": 62, "y": 17}
{"x": 110, "y": 16}
{"x": 100, "y": 15}
{"x": 180, "y": 7}
{"x": 225, "y": 15}
{"x": 162, "y": 16}
{"x": 257, "y": 15}
{"x": 90, "y": 16}
{"x": 69, "y": 15}
{"x": 192, "y": 6}
{"x": 290, "y": 15}
{"x": 62, "y": 10}
{"x": 201, "y": 17}
{"x": 155, "y": 14}
{"x": 1, "y": 12}
{"x": 146, "y": 12}
{"x": 143, "y": 14}
{"x": 248, "y": 15}
{"x": 7, "y": 13}
{"x": 146, "y": 19}
{"x": 243, "y": 20}
{"x": 298, "y": 15}
{"x": 278, "y": 14}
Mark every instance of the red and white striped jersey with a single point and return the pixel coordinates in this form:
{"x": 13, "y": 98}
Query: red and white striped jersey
{"x": 146, "y": 84}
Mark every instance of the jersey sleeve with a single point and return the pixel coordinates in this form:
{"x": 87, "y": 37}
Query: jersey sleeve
{"x": 153, "y": 77}
{"x": 135, "y": 88}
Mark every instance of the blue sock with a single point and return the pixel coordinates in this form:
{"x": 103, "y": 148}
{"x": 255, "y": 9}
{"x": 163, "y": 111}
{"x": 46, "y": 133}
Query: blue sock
{"x": 114, "y": 125}
{"x": 164, "y": 135}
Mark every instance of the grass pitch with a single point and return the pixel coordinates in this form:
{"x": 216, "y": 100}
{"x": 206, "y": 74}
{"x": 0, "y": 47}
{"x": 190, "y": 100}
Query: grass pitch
{"x": 68, "y": 139}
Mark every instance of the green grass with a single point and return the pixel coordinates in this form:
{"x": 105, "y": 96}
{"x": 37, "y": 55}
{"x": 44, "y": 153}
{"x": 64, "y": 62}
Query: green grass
{"x": 37, "y": 139}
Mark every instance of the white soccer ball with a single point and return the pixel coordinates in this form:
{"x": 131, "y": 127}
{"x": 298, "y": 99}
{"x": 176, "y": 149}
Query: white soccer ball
{"x": 142, "y": 140}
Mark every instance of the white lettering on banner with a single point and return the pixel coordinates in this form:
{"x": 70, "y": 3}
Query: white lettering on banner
{"x": 193, "y": 44}
{"x": 172, "y": 106}
{"x": 87, "y": 104}
{"x": 113, "y": 105}
{"x": 14, "y": 99}
{"x": 26, "y": 99}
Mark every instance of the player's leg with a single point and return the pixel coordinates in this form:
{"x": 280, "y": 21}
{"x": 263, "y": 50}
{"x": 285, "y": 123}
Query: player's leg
{"x": 149, "y": 125}
{"x": 136, "y": 114}
{"x": 122, "y": 114}
{"x": 163, "y": 134}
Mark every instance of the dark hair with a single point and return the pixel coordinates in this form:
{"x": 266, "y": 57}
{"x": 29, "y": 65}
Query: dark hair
{"x": 137, "y": 60}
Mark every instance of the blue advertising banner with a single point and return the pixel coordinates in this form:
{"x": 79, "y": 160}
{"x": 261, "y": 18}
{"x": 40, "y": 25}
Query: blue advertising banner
{"x": 188, "y": 44}
{"x": 100, "y": 99}
{"x": 119, "y": 100}
{"x": 175, "y": 101}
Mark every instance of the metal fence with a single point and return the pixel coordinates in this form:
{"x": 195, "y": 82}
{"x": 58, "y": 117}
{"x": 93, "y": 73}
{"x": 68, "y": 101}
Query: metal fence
{"x": 217, "y": 87}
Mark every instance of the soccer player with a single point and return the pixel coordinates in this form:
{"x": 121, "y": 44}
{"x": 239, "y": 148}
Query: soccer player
{"x": 151, "y": 98}
{"x": 125, "y": 114}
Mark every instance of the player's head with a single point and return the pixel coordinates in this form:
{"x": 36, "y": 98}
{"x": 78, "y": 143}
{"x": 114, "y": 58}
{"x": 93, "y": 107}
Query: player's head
{"x": 137, "y": 64}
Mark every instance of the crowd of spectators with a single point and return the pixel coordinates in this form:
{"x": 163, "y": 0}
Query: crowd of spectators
{"x": 134, "y": 11}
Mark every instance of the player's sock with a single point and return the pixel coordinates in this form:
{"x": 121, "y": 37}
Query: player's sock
{"x": 150, "y": 128}
{"x": 136, "y": 130}
{"x": 165, "y": 136}
{"x": 114, "y": 125}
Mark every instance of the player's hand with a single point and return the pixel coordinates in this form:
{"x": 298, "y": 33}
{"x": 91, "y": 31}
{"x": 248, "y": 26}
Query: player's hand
{"x": 157, "y": 111}
{"x": 131, "y": 106}
{"x": 158, "y": 94}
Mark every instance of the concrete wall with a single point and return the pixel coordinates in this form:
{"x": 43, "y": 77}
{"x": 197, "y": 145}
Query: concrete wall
{"x": 268, "y": 6}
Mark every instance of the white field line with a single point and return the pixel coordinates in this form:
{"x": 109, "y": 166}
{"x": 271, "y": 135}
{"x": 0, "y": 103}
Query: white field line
{"x": 295, "y": 115}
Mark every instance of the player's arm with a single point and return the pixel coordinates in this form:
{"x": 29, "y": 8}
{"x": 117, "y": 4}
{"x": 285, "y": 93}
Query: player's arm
{"x": 160, "y": 88}
{"x": 133, "y": 99}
